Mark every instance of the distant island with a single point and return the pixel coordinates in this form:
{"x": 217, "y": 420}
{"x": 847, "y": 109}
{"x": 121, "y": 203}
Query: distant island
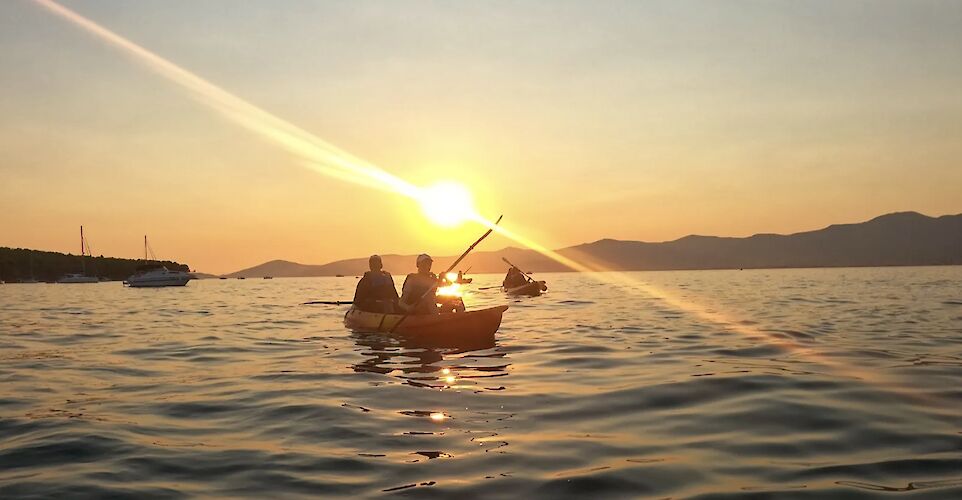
{"x": 21, "y": 264}
{"x": 897, "y": 239}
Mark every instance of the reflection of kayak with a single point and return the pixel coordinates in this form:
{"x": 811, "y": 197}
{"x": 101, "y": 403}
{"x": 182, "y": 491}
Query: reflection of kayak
{"x": 448, "y": 328}
{"x": 533, "y": 289}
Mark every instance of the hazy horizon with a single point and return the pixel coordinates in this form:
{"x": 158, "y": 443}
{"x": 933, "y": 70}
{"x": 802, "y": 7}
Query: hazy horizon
{"x": 625, "y": 120}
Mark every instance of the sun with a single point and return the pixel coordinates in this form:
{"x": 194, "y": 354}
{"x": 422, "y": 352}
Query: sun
{"x": 447, "y": 204}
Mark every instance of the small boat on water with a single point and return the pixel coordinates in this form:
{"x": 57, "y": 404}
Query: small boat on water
{"x": 82, "y": 276}
{"x": 268, "y": 277}
{"x": 77, "y": 278}
{"x": 454, "y": 329}
{"x": 530, "y": 289}
{"x": 518, "y": 282}
{"x": 458, "y": 278}
{"x": 155, "y": 274}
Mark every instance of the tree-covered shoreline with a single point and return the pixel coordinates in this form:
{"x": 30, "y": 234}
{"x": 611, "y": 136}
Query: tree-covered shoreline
{"x": 18, "y": 264}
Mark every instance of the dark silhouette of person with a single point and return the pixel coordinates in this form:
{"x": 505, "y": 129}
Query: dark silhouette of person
{"x": 375, "y": 291}
{"x": 514, "y": 278}
{"x": 417, "y": 287}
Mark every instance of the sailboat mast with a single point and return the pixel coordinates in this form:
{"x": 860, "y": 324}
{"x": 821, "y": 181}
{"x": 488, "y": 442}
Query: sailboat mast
{"x": 83, "y": 265}
{"x": 145, "y": 248}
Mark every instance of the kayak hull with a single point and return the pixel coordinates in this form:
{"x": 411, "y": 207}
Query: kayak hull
{"x": 531, "y": 289}
{"x": 448, "y": 329}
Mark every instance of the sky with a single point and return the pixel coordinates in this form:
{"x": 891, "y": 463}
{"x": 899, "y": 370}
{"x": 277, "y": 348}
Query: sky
{"x": 578, "y": 121}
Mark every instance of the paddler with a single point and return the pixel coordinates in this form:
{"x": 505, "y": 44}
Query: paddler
{"x": 417, "y": 285}
{"x": 514, "y": 278}
{"x": 375, "y": 291}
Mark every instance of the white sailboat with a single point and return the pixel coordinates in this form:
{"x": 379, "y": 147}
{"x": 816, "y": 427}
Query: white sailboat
{"x": 82, "y": 277}
{"x": 155, "y": 274}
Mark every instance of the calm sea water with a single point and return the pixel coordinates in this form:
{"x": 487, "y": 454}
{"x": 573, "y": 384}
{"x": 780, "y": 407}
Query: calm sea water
{"x": 843, "y": 383}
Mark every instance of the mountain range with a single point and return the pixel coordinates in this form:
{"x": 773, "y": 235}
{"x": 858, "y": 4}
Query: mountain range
{"x": 896, "y": 239}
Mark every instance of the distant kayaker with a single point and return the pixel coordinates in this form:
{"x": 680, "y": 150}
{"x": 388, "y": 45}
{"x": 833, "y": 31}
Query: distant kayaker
{"x": 375, "y": 291}
{"x": 416, "y": 285}
{"x": 514, "y": 278}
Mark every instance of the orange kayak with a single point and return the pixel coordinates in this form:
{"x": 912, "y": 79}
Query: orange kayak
{"x": 448, "y": 328}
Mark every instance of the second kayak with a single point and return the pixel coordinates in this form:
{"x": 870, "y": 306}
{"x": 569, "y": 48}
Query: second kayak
{"x": 531, "y": 289}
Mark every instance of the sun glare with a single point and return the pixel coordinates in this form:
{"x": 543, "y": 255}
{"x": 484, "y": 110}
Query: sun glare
{"x": 452, "y": 290}
{"x": 447, "y": 204}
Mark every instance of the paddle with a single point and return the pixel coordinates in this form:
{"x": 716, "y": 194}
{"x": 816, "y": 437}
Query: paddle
{"x": 328, "y": 302}
{"x": 452, "y": 266}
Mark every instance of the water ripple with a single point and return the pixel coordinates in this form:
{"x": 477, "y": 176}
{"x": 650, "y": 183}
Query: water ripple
{"x": 755, "y": 384}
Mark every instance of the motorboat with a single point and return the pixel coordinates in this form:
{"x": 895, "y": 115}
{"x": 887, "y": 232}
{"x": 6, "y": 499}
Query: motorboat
{"x": 157, "y": 275}
{"x": 154, "y": 274}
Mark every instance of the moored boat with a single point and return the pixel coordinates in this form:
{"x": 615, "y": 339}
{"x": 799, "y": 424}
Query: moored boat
{"x": 82, "y": 276}
{"x": 156, "y": 275}
{"x": 455, "y": 328}
{"x": 77, "y": 278}
{"x": 531, "y": 289}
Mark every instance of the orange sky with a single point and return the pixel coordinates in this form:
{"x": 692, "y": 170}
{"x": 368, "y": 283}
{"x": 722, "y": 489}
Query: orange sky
{"x": 577, "y": 121}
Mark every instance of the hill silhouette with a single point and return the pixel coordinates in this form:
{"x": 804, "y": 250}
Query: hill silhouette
{"x": 897, "y": 239}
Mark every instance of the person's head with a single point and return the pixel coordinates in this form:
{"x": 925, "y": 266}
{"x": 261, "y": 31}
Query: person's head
{"x": 375, "y": 263}
{"x": 424, "y": 263}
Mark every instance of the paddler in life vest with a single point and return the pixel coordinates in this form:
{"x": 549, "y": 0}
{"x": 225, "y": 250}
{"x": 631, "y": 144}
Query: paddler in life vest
{"x": 514, "y": 278}
{"x": 375, "y": 291}
{"x": 416, "y": 285}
